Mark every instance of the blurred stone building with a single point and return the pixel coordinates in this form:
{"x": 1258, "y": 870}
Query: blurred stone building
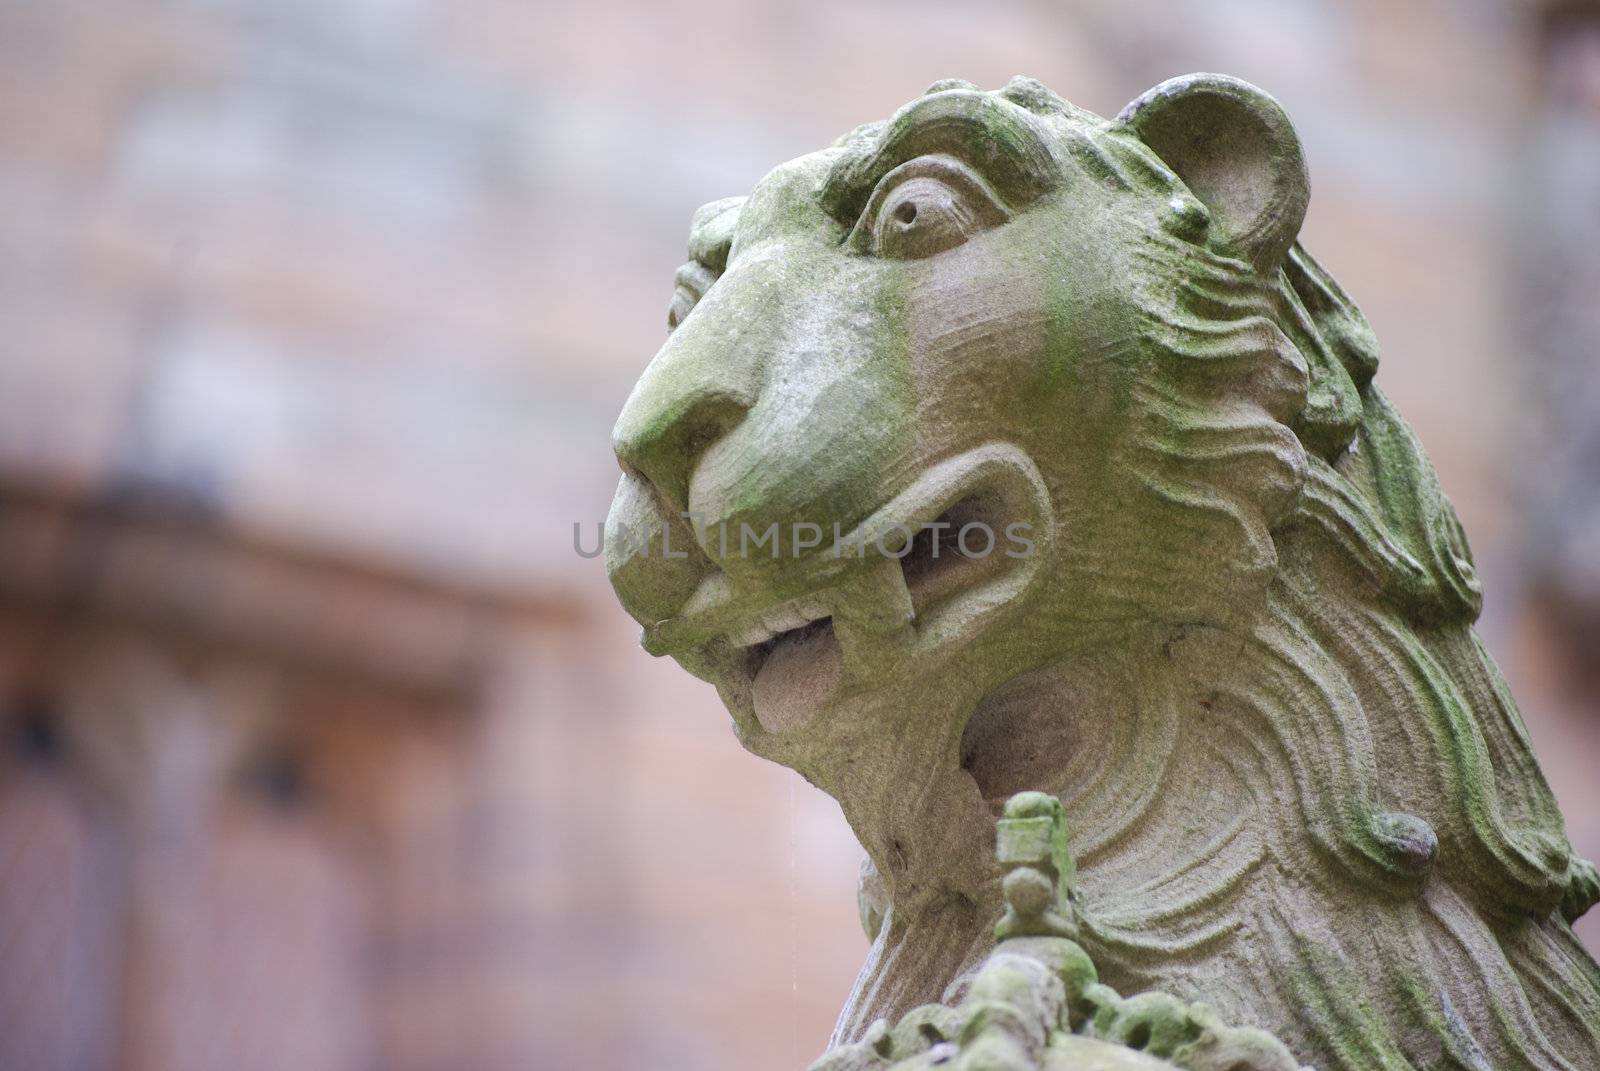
{"x": 1558, "y": 242}
{"x": 322, "y": 745}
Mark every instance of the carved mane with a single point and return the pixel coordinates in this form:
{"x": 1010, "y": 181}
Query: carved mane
{"x": 1433, "y": 865}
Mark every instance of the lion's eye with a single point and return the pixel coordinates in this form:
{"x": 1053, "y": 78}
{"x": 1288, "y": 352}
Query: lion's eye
{"x": 922, "y": 217}
{"x": 924, "y": 207}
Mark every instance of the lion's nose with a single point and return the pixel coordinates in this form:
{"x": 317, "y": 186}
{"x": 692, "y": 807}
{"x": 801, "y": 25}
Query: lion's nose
{"x": 667, "y": 449}
{"x": 698, "y": 388}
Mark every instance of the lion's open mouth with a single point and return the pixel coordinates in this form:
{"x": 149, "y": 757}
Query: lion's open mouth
{"x": 782, "y": 633}
{"x": 793, "y": 654}
{"x": 792, "y": 657}
{"x": 791, "y": 648}
{"x": 940, "y": 562}
{"x": 932, "y": 568}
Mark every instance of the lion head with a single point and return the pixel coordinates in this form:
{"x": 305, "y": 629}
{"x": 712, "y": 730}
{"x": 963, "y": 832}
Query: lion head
{"x": 1002, "y": 447}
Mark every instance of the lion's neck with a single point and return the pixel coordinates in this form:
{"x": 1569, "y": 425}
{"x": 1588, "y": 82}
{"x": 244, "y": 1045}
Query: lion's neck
{"x": 1161, "y": 822}
{"x": 1111, "y": 731}
{"x": 1170, "y": 813}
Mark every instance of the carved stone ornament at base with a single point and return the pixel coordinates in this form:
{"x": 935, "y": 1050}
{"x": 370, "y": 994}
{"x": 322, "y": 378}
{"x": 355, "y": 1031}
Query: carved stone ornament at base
{"x": 1036, "y": 1003}
{"x": 1004, "y": 449}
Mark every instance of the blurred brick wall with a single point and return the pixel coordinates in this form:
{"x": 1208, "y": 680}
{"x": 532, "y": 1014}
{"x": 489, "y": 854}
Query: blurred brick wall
{"x": 369, "y": 279}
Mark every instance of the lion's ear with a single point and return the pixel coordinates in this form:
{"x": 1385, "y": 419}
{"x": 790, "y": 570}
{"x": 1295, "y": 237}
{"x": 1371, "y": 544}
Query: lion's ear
{"x": 711, "y": 232}
{"x": 710, "y": 242}
{"x": 1236, "y": 150}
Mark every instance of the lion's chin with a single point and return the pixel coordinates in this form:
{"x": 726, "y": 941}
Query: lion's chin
{"x": 797, "y": 673}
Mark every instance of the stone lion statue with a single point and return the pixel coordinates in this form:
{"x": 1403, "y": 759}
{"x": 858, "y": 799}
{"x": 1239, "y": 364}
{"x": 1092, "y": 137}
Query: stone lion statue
{"x": 1000, "y": 447}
